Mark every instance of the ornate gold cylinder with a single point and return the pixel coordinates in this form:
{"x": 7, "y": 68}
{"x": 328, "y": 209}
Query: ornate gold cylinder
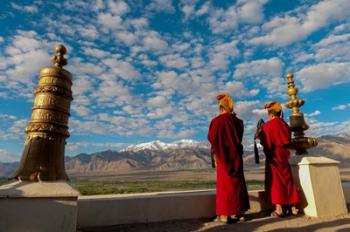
{"x": 43, "y": 155}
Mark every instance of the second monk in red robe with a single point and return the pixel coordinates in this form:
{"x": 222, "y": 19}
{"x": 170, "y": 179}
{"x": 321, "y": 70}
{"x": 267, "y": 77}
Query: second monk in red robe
{"x": 280, "y": 187}
{"x": 225, "y": 136}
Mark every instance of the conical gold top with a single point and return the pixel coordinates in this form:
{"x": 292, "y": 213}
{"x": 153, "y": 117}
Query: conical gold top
{"x": 43, "y": 154}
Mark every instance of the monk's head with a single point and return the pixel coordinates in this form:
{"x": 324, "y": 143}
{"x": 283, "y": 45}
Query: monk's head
{"x": 274, "y": 109}
{"x": 225, "y": 102}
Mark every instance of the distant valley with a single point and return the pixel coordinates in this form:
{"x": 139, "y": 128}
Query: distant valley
{"x": 181, "y": 155}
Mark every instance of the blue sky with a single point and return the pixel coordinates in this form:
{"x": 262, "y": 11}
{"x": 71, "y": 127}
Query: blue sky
{"x": 147, "y": 70}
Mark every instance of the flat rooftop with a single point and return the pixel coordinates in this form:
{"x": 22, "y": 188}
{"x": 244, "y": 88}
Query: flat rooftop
{"x": 255, "y": 222}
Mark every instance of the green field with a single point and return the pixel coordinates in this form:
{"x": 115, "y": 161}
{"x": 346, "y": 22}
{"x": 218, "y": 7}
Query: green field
{"x": 123, "y": 187}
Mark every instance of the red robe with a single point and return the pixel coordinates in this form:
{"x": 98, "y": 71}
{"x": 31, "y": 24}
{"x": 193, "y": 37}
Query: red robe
{"x": 280, "y": 187}
{"x": 225, "y": 135}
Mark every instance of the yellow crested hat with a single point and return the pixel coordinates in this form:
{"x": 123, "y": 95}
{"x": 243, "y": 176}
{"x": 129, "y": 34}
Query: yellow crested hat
{"x": 225, "y": 101}
{"x": 275, "y": 106}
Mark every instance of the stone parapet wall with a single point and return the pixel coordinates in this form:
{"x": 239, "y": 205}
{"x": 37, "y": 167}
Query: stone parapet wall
{"x": 108, "y": 210}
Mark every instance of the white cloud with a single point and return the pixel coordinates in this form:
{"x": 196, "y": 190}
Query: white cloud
{"x": 76, "y": 146}
{"x": 29, "y": 9}
{"x": 139, "y": 23}
{"x": 185, "y": 133}
{"x": 158, "y": 101}
{"x": 266, "y": 72}
{"x": 110, "y": 21}
{"x": 89, "y": 32}
{"x": 82, "y": 67}
{"x": 323, "y": 75}
{"x": 83, "y": 85}
{"x": 95, "y": 52}
{"x": 331, "y": 39}
{"x": 259, "y": 112}
{"x": 333, "y": 48}
{"x": 319, "y": 128}
{"x": 122, "y": 69}
{"x": 174, "y": 61}
{"x": 23, "y": 59}
{"x": 126, "y": 37}
{"x": 281, "y": 31}
{"x": 259, "y": 67}
{"x": 118, "y": 7}
{"x": 341, "y": 107}
{"x": 237, "y": 89}
{"x": 12, "y": 128}
{"x": 154, "y": 42}
{"x": 7, "y": 117}
{"x": 204, "y": 9}
{"x": 87, "y": 126}
{"x": 227, "y": 20}
{"x": 341, "y": 28}
{"x": 161, "y": 6}
{"x": 80, "y": 110}
{"x": 160, "y": 112}
{"x": 335, "y": 53}
{"x": 251, "y": 11}
{"x": 313, "y": 114}
{"x": 222, "y": 21}
{"x": 146, "y": 60}
{"x": 221, "y": 53}
{"x": 112, "y": 92}
{"x": 187, "y": 10}
{"x": 187, "y": 7}
{"x": 244, "y": 109}
{"x": 168, "y": 79}
{"x": 6, "y": 156}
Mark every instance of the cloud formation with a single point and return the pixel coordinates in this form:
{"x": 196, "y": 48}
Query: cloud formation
{"x": 146, "y": 70}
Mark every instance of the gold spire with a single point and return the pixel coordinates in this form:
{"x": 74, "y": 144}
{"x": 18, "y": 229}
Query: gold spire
{"x": 296, "y": 120}
{"x": 294, "y": 103}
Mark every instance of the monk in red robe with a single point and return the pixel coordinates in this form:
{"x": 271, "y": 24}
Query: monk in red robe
{"x": 280, "y": 188}
{"x": 225, "y": 136}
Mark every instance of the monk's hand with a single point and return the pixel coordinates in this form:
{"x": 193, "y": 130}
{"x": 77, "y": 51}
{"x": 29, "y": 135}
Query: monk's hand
{"x": 234, "y": 168}
{"x": 213, "y": 161}
{"x": 231, "y": 170}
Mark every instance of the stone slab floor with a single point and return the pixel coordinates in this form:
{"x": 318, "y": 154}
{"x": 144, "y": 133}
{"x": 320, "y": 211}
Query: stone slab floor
{"x": 258, "y": 222}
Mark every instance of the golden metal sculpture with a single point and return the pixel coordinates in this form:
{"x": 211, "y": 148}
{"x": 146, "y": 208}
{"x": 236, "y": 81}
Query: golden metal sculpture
{"x": 300, "y": 143}
{"x": 43, "y": 155}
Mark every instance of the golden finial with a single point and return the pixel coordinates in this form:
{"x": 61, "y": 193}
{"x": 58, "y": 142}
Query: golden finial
{"x": 58, "y": 59}
{"x": 294, "y": 103}
{"x": 296, "y": 120}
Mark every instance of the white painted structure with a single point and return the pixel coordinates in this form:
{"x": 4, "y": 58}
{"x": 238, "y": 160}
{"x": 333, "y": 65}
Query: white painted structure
{"x": 321, "y": 194}
{"x": 38, "y": 207}
{"x": 107, "y": 210}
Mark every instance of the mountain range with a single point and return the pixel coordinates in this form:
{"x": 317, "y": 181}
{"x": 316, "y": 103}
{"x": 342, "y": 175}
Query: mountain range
{"x": 180, "y": 155}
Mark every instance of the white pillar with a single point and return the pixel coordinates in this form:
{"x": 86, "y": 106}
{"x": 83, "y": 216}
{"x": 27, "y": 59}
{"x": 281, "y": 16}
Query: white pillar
{"x": 38, "y": 206}
{"x": 320, "y": 186}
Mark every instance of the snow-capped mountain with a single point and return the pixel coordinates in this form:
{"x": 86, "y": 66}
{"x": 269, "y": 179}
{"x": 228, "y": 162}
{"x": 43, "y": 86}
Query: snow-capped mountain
{"x": 158, "y": 145}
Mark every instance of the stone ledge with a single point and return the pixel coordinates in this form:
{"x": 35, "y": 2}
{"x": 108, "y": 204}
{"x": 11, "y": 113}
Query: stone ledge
{"x": 307, "y": 160}
{"x": 38, "y": 206}
{"x": 147, "y": 195}
{"x": 109, "y": 210}
{"x": 21, "y": 189}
